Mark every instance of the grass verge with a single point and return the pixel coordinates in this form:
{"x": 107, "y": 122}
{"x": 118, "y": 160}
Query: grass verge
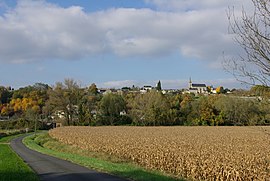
{"x": 45, "y": 144}
{"x": 12, "y": 167}
{"x": 7, "y": 139}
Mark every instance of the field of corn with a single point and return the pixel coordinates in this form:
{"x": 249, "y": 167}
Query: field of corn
{"x": 196, "y": 153}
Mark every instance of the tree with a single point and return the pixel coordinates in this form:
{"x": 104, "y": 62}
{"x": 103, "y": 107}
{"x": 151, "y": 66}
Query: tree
{"x": 65, "y": 97}
{"x": 110, "y": 107}
{"x": 159, "y": 86}
{"x": 93, "y": 89}
{"x": 220, "y": 90}
{"x": 5, "y": 95}
{"x": 238, "y": 111}
{"x": 151, "y": 108}
{"x": 253, "y": 36}
{"x": 260, "y": 90}
{"x": 88, "y": 106}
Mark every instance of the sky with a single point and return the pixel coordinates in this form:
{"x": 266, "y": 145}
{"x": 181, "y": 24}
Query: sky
{"x": 117, "y": 43}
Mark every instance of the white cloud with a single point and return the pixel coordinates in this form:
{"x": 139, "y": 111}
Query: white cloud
{"x": 37, "y": 30}
{"x": 190, "y": 5}
{"x": 117, "y": 84}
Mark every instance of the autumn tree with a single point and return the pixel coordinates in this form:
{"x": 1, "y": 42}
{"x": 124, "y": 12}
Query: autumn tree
{"x": 207, "y": 111}
{"x": 220, "y": 90}
{"x": 65, "y": 97}
{"x": 252, "y": 34}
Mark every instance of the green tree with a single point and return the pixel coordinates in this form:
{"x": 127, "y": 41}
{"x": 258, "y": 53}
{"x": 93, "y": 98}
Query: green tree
{"x": 239, "y": 111}
{"x": 207, "y": 111}
{"x": 5, "y": 95}
{"x": 186, "y": 109}
{"x": 88, "y": 108}
{"x": 93, "y": 89}
{"x": 110, "y": 107}
{"x": 159, "y": 86}
{"x": 151, "y": 108}
{"x": 260, "y": 90}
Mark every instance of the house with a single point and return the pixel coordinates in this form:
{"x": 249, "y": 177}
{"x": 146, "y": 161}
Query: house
{"x": 107, "y": 91}
{"x": 4, "y": 118}
{"x": 146, "y": 88}
{"x": 196, "y": 88}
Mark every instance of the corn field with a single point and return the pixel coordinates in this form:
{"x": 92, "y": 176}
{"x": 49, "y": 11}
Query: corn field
{"x": 195, "y": 153}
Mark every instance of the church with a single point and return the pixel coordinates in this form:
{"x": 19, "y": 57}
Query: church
{"x": 196, "y": 88}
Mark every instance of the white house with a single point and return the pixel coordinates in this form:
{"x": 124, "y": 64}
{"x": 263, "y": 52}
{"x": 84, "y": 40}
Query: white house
{"x": 146, "y": 88}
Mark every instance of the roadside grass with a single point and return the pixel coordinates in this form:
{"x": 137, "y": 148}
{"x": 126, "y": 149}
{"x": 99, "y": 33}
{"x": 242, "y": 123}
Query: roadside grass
{"x": 7, "y": 135}
{"x": 12, "y": 167}
{"x": 7, "y": 139}
{"x": 45, "y": 144}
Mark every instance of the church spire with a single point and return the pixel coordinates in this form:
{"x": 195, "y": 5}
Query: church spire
{"x": 190, "y": 83}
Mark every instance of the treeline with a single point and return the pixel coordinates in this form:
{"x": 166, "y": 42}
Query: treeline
{"x": 68, "y": 103}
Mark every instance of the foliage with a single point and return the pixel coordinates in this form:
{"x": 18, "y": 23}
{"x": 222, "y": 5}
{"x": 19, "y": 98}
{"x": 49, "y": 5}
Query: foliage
{"x": 149, "y": 109}
{"x": 5, "y": 95}
{"x": 159, "y": 86}
{"x": 111, "y": 105}
{"x": 93, "y": 89}
{"x": 68, "y": 103}
{"x": 65, "y": 97}
{"x": 220, "y": 90}
{"x": 260, "y": 90}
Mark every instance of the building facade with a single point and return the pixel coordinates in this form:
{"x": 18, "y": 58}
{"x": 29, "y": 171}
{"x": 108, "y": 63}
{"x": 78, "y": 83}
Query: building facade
{"x": 196, "y": 88}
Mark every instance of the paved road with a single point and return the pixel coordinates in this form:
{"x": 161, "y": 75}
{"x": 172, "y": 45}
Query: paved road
{"x": 50, "y": 168}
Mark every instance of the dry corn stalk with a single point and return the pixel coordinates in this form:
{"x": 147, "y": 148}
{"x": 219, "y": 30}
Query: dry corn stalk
{"x": 198, "y": 153}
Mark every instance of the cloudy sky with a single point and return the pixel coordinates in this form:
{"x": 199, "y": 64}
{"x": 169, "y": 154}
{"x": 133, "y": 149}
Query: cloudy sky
{"x": 116, "y": 43}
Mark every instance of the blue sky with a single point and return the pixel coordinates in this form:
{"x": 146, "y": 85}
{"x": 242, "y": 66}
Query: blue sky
{"x": 116, "y": 43}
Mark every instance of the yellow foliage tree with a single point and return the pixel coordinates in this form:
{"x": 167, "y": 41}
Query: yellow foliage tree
{"x": 220, "y": 90}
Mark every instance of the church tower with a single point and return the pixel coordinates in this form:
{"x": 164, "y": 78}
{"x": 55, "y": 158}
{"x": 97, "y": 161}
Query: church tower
{"x": 190, "y": 83}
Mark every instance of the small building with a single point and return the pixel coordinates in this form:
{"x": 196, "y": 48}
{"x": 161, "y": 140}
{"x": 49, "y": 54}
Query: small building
{"x": 4, "y": 118}
{"x": 146, "y": 88}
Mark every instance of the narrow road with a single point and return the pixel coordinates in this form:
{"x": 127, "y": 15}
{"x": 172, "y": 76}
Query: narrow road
{"x": 50, "y": 168}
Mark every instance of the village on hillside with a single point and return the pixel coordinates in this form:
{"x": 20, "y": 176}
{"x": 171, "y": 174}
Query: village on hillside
{"x": 192, "y": 88}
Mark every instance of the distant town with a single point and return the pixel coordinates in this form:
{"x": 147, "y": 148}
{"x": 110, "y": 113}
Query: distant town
{"x": 194, "y": 88}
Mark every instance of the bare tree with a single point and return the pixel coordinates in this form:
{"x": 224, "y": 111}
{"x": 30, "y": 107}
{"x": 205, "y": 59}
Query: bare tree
{"x": 252, "y": 33}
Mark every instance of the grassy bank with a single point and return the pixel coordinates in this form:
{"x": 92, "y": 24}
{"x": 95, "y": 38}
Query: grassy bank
{"x": 7, "y": 139}
{"x": 45, "y": 144}
{"x": 12, "y": 167}
{"x": 7, "y": 135}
